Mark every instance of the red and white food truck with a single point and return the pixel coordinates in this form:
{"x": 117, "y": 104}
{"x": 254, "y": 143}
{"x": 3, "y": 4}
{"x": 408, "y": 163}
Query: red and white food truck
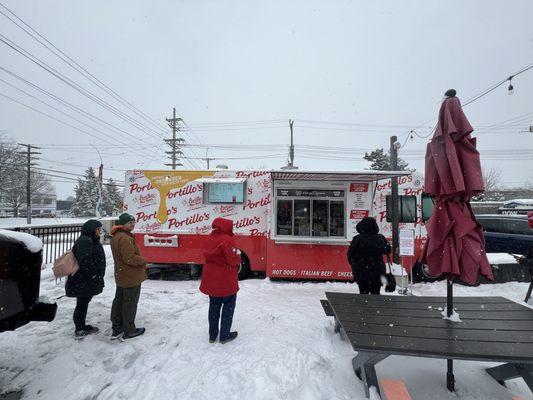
{"x": 287, "y": 223}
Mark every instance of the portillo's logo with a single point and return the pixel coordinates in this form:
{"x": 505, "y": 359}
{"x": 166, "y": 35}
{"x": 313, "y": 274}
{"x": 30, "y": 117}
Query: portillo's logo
{"x": 254, "y": 204}
{"x": 184, "y": 191}
{"x": 253, "y": 174}
{"x": 247, "y": 221}
{"x": 402, "y": 180}
{"x": 190, "y": 220}
{"x": 135, "y": 187}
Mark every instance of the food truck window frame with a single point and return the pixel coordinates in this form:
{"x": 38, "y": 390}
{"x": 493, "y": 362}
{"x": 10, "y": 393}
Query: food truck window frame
{"x": 311, "y": 194}
{"x": 222, "y": 181}
{"x": 402, "y": 203}
{"x": 427, "y": 205}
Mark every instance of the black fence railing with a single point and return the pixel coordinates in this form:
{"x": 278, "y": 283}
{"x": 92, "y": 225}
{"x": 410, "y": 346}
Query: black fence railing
{"x": 57, "y": 239}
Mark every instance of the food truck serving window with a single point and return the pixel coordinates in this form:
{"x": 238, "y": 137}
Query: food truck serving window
{"x": 406, "y": 208}
{"x": 223, "y": 192}
{"x": 427, "y": 206}
{"x": 311, "y": 213}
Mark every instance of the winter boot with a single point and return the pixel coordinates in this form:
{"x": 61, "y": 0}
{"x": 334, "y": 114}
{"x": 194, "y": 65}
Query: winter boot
{"x": 138, "y": 332}
{"x": 91, "y": 329}
{"x": 231, "y": 336}
{"x": 117, "y": 334}
{"x": 88, "y": 330}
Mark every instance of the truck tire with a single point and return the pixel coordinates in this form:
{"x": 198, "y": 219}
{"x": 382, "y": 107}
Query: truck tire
{"x": 421, "y": 273}
{"x": 155, "y": 274}
{"x": 244, "y": 267}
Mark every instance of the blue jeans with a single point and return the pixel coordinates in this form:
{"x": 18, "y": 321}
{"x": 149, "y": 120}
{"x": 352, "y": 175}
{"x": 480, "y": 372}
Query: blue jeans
{"x": 228, "y": 308}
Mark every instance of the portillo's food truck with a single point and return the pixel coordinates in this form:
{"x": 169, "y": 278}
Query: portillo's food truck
{"x": 287, "y": 223}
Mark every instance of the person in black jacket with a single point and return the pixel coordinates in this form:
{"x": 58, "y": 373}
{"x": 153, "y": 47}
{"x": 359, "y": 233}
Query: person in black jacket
{"x": 89, "y": 280}
{"x": 365, "y": 256}
{"x": 527, "y": 261}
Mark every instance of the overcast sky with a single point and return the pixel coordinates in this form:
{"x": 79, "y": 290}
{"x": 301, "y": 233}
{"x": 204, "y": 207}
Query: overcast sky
{"x": 350, "y": 73}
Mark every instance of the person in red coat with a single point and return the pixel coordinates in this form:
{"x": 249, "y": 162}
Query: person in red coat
{"x": 220, "y": 278}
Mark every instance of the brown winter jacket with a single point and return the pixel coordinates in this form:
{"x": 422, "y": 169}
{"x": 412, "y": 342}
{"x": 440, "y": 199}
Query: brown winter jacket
{"x": 130, "y": 266}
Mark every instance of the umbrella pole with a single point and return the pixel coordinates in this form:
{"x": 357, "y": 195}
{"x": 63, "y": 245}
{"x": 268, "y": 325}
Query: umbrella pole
{"x": 450, "y": 379}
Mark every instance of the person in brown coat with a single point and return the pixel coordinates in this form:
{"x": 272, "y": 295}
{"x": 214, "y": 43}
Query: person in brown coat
{"x": 130, "y": 272}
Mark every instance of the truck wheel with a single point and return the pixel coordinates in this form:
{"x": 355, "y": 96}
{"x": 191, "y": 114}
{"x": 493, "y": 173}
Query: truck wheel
{"x": 421, "y": 273}
{"x": 244, "y": 267}
{"x": 155, "y": 274}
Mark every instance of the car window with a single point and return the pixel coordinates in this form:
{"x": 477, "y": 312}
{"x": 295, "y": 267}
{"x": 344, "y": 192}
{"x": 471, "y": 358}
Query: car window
{"x": 491, "y": 224}
{"x": 517, "y": 226}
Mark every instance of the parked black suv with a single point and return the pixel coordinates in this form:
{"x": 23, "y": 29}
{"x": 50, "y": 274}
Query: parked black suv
{"x": 506, "y": 233}
{"x": 20, "y": 276}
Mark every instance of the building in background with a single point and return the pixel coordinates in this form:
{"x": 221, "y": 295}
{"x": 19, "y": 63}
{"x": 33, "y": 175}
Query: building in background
{"x": 64, "y": 207}
{"x": 43, "y": 205}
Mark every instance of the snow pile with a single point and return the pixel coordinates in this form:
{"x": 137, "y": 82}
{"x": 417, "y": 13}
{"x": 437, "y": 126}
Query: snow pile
{"x": 501, "y": 258}
{"x": 286, "y": 349}
{"x": 32, "y": 243}
{"x": 454, "y": 317}
{"x": 21, "y": 222}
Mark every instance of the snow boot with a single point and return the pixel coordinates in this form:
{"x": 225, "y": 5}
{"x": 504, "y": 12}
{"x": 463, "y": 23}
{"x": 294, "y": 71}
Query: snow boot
{"x": 116, "y": 334}
{"x": 88, "y": 330}
{"x": 212, "y": 340}
{"x": 231, "y": 336}
{"x": 138, "y": 332}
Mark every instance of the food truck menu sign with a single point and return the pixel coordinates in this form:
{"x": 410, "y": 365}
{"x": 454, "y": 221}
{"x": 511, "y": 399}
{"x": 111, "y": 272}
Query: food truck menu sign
{"x": 359, "y": 187}
{"x": 407, "y": 242}
{"x": 359, "y": 203}
{"x": 223, "y": 192}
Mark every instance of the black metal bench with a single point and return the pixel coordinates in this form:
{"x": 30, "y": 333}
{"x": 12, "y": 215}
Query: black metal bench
{"x": 492, "y": 329}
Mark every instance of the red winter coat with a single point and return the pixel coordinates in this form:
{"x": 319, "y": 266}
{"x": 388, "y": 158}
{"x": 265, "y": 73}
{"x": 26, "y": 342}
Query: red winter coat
{"x": 220, "y": 273}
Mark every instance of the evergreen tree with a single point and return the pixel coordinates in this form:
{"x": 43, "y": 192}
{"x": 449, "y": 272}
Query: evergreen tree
{"x": 86, "y": 195}
{"x": 112, "y": 198}
{"x": 381, "y": 161}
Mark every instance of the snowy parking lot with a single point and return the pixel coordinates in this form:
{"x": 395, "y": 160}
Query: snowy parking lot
{"x": 286, "y": 349}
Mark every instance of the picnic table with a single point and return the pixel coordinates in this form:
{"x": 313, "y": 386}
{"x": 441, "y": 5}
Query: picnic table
{"x": 492, "y": 329}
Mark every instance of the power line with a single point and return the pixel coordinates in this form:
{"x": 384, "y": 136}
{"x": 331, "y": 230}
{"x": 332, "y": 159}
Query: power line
{"x": 73, "y": 64}
{"x": 79, "y": 68}
{"x": 78, "y": 88}
{"x": 478, "y": 96}
{"x": 58, "y": 110}
{"x": 57, "y": 119}
{"x": 66, "y": 103}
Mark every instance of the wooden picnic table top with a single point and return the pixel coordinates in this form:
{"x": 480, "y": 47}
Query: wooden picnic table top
{"x": 492, "y": 328}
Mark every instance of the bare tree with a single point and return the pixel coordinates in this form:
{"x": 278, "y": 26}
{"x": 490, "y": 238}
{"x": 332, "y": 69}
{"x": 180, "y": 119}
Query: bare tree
{"x": 13, "y": 177}
{"x": 492, "y": 179}
{"x": 8, "y": 156}
{"x": 16, "y": 188}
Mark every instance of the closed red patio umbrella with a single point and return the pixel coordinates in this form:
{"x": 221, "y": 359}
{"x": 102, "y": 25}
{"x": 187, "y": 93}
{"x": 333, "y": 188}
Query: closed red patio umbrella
{"x": 455, "y": 247}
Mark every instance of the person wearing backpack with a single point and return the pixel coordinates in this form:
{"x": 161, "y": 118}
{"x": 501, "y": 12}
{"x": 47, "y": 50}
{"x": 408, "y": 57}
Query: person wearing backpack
{"x": 88, "y": 281}
{"x": 130, "y": 272}
{"x": 365, "y": 256}
{"x": 220, "y": 279}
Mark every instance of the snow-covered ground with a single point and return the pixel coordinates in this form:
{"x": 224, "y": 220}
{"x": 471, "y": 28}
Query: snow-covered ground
{"x": 20, "y": 222}
{"x": 286, "y": 349}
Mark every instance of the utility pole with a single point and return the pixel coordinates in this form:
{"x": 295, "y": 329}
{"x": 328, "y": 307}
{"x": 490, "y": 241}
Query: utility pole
{"x": 100, "y": 202}
{"x": 394, "y": 145}
{"x": 207, "y": 159}
{"x": 291, "y": 149}
{"x": 29, "y": 153}
{"x": 175, "y": 142}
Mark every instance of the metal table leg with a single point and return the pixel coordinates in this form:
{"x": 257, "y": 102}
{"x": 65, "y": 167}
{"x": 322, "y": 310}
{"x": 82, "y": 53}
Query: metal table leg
{"x": 510, "y": 371}
{"x": 364, "y": 367}
{"x": 529, "y": 290}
